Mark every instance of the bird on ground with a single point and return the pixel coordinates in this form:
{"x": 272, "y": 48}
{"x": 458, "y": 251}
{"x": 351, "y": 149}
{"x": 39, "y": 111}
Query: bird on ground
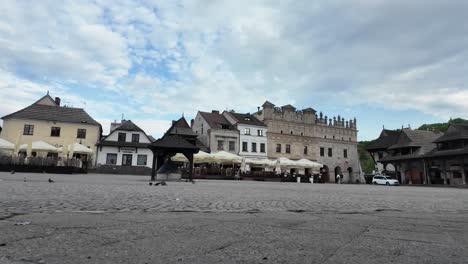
{"x": 157, "y": 183}
{"x": 150, "y": 183}
{"x": 24, "y": 179}
{"x": 51, "y": 181}
{"x": 12, "y": 172}
{"x": 163, "y": 183}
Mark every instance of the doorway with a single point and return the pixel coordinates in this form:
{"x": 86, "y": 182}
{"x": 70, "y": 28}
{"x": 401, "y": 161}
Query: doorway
{"x": 127, "y": 160}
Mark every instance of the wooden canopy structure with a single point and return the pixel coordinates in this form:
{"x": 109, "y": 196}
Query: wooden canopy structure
{"x": 179, "y": 138}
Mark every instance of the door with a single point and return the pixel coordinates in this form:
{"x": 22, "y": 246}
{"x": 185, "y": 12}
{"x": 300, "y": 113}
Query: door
{"x": 127, "y": 160}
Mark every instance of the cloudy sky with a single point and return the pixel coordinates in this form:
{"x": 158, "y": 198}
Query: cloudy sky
{"x": 389, "y": 62}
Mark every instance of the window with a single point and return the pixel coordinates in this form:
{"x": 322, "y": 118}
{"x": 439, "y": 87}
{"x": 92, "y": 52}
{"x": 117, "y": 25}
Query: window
{"x": 111, "y": 159}
{"x": 288, "y": 148}
{"x": 232, "y": 145}
{"x": 302, "y": 134}
{"x": 278, "y": 148}
{"x": 28, "y": 130}
{"x": 325, "y": 137}
{"x": 141, "y": 160}
{"x": 135, "y": 138}
{"x": 244, "y": 146}
{"x": 305, "y": 150}
{"x": 330, "y": 153}
{"x": 322, "y": 152}
{"x": 247, "y": 119}
{"x": 281, "y": 131}
{"x": 81, "y": 133}
{"x": 262, "y": 147}
{"x": 55, "y": 132}
{"x": 333, "y": 136}
{"x": 122, "y": 137}
{"x": 220, "y": 145}
{"x": 202, "y": 130}
{"x": 127, "y": 160}
{"x": 254, "y": 147}
{"x": 225, "y": 126}
{"x": 291, "y": 132}
{"x": 345, "y": 153}
{"x": 246, "y": 131}
{"x": 260, "y": 133}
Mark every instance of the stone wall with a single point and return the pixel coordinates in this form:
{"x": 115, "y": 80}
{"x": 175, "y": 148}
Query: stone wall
{"x": 305, "y": 128}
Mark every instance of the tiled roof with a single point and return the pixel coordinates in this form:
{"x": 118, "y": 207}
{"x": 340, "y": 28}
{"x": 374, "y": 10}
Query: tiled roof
{"x": 385, "y": 140}
{"x": 151, "y": 138}
{"x": 216, "y": 120}
{"x": 53, "y": 113}
{"x": 454, "y": 132}
{"x": 128, "y": 125}
{"x": 246, "y": 119}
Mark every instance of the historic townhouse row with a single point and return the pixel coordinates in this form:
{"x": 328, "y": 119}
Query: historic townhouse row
{"x": 274, "y": 132}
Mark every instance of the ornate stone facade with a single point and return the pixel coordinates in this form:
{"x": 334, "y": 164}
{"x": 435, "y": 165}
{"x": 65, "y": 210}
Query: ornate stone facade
{"x": 297, "y": 134}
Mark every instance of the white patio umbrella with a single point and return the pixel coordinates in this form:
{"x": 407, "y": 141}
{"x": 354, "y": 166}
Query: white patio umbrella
{"x": 285, "y": 162}
{"x": 179, "y": 157}
{"x": 39, "y": 146}
{"x": 6, "y": 145}
{"x": 261, "y": 162}
{"x": 80, "y": 149}
{"x": 202, "y": 157}
{"x": 223, "y": 156}
{"x": 305, "y": 163}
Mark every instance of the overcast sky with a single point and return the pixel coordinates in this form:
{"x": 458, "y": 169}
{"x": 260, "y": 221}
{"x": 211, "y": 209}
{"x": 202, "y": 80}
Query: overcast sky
{"x": 389, "y": 63}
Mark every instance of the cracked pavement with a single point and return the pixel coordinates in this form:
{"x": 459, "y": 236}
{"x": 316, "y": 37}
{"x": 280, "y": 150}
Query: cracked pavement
{"x": 120, "y": 219}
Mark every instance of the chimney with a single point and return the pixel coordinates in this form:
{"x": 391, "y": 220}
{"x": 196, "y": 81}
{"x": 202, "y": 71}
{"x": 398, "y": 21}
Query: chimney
{"x": 214, "y": 111}
{"x": 114, "y": 125}
{"x": 57, "y": 101}
{"x": 258, "y": 108}
{"x": 191, "y": 122}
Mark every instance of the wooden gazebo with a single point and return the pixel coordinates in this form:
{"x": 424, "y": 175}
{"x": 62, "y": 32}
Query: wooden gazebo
{"x": 179, "y": 138}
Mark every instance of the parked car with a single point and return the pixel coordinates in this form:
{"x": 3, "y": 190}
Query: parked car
{"x": 386, "y": 180}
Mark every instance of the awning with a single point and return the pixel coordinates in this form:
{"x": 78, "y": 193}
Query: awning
{"x": 200, "y": 157}
{"x": 5, "y": 144}
{"x": 40, "y": 146}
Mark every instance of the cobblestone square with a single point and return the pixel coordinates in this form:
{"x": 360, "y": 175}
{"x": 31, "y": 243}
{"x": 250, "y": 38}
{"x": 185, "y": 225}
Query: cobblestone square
{"x": 95, "y": 218}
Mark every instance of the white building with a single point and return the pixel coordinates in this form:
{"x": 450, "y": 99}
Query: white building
{"x": 126, "y": 145}
{"x": 252, "y": 134}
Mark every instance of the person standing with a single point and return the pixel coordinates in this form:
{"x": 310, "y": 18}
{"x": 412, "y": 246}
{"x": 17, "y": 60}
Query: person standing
{"x": 338, "y": 178}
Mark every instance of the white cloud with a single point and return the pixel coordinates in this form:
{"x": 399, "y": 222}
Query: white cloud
{"x": 162, "y": 58}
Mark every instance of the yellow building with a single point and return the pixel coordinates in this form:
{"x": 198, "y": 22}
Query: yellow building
{"x": 47, "y": 121}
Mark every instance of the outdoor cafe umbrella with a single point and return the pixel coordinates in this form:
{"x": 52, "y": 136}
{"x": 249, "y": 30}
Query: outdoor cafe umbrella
{"x": 202, "y": 157}
{"x": 79, "y": 149}
{"x": 285, "y": 162}
{"x": 224, "y": 157}
{"x": 261, "y": 162}
{"x": 6, "y": 145}
{"x": 39, "y": 146}
{"x": 305, "y": 163}
{"x": 179, "y": 157}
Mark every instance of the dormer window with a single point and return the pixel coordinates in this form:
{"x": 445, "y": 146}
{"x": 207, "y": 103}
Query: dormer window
{"x": 247, "y": 119}
{"x": 225, "y": 126}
